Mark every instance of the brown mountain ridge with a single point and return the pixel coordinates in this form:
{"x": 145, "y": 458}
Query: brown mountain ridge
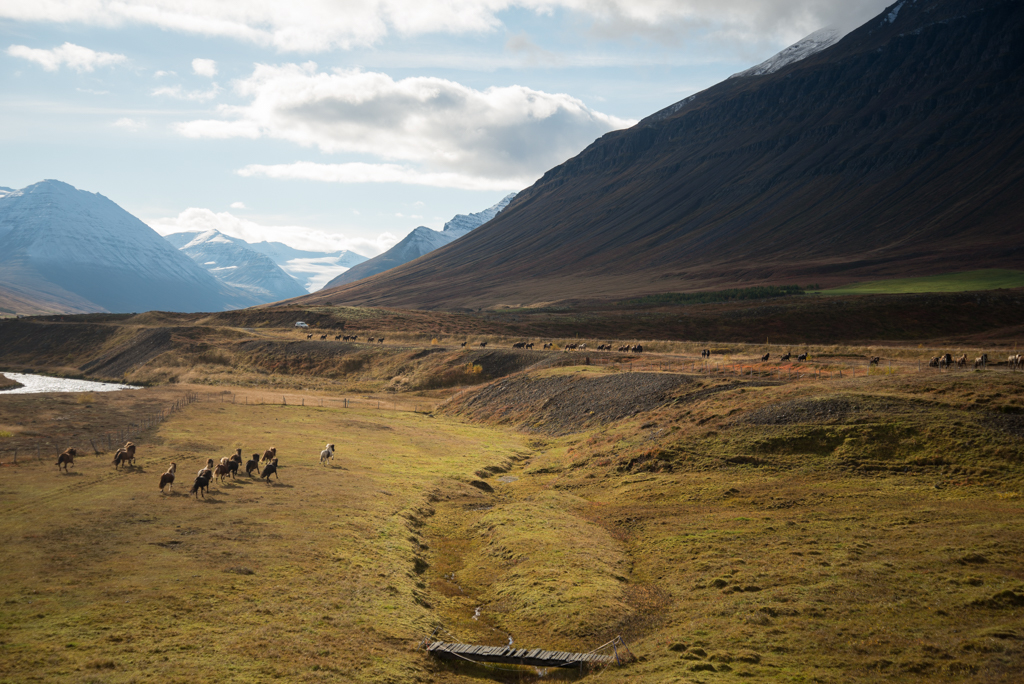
{"x": 896, "y": 152}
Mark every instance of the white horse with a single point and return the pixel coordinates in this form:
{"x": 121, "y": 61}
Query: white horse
{"x": 327, "y": 454}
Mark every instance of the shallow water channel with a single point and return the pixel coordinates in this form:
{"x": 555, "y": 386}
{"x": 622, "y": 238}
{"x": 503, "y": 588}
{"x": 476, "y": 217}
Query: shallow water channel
{"x": 35, "y": 384}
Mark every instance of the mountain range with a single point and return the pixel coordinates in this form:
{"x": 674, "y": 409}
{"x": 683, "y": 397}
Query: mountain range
{"x": 312, "y": 269}
{"x": 68, "y": 250}
{"x": 234, "y": 262}
{"x": 894, "y": 151}
{"x": 420, "y": 241}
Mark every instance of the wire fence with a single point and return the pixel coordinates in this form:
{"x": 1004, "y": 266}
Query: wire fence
{"x": 110, "y": 440}
{"x": 101, "y": 442}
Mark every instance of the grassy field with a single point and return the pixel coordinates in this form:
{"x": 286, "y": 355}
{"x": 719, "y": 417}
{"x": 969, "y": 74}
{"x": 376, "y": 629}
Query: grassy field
{"x": 968, "y": 281}
{"x": 310, "y": 578}
{"x": 767, "y": 527}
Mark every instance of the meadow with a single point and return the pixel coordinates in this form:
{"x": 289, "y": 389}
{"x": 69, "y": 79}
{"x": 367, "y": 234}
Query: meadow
{"x": 761, "y": 526}
{"x": 966, "y": 281}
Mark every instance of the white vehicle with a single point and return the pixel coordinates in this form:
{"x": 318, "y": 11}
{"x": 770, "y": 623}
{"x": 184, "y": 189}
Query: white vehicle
{"x": 300, "y": 324}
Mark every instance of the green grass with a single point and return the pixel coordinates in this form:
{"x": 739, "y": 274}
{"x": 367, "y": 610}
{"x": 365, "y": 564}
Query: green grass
{"x": 968, "y": 281}
{"x": 723, "y": 540}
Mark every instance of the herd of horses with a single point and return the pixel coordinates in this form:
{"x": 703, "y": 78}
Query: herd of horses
{"x": 1014, "y": 362}
{"x": 346, "y": 338}
{"x": 227, "y": 467}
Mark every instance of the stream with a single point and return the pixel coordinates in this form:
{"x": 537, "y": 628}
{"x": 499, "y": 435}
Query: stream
{"x": 35, "y": 384}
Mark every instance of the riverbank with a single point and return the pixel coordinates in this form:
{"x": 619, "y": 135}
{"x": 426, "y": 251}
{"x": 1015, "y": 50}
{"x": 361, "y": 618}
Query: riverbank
{"x": 7, "y": 384}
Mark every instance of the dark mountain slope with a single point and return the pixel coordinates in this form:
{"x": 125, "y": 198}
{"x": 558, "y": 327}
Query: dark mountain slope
{"x": 897, "y": 151}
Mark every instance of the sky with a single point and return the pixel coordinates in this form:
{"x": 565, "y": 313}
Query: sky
{"x": 345, "y": 124}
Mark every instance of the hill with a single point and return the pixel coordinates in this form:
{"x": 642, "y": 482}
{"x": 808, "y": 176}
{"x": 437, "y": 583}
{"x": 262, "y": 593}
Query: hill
{"x": 897, "y": 151}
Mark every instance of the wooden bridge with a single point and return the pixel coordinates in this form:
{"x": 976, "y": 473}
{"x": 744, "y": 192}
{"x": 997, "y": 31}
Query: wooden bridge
{"x": 517, "y": 656}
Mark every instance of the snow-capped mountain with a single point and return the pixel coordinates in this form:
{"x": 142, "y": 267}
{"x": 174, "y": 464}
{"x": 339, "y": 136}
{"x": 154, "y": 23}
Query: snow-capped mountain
{"x": 5, "y": 191}
{"x": 309, "y": 267}
{"x": 234, "y": 262}
{"x": 420, "y": 241}
{"x": 80, "y": 246}
{"x": 802, "y": 49}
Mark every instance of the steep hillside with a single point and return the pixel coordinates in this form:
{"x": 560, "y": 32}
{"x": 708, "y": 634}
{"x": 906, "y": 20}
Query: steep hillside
{"x": 76, "y": 250}
{"x": 896, "y": 151}
{"x": 420, "y": 241}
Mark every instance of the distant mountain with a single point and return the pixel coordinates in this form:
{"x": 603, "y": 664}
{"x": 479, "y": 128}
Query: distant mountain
{"x": 310, "y": 268}
{"x": 75, "y": 249}
{"x": 420, "y": 241}
{"x": 236, "y": 264}
{"x": 897, "y": 151}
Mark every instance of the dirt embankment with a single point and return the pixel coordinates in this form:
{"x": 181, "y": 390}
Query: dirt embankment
{"x": 562, "y": 404}
{"x": 6, "y": 383}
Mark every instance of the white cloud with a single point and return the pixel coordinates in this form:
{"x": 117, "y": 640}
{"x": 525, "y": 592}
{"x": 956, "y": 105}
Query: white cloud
{"x": 204, "y": 67}
{"x": 73, "y": 56}
{"x": 238, "y": 205}
{"x": 299, "y": 237}
{"x": 461, "y": 137}
{"x": 316, "y": 25}
{"x": 130, "y": 124}
{"x": 359, "y": 172}
{"x": 162, "y": 73}
{"x": 180, "y": 93}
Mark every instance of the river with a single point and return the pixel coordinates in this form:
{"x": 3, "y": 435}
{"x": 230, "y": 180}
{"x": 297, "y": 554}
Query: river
{"x": 35, "y": 384}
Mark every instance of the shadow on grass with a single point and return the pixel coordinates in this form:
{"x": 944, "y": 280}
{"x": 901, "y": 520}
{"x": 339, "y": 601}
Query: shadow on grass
{"x": 72, "y": 473}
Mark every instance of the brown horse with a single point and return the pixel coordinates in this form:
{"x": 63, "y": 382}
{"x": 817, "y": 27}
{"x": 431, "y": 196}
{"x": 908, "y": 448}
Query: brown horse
{"x": 67, "y": 458}
{"x": 123, "y": 457}
{"x": 253, "y": 464}
{"x": 167, "y": 479}
{"x": 271, "y": 469}
{"x": 269, "y": 454}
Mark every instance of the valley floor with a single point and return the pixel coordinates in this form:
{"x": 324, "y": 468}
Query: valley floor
{"x": 736, "y": 528}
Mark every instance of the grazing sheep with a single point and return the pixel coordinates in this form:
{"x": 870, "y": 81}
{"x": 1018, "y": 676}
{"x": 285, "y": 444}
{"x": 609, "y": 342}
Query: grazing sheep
{"x": 271, "y": 469}
{"x": 253, "y": 464}
{"x": 167, "y": 479}
{"x": 269, "y": 454}
{"x": 327, "y": 454}
{"x": 67, "y": 458}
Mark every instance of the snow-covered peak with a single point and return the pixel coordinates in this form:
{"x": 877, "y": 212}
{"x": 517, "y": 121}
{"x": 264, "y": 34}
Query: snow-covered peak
{"x": 802, "y": 49}
{"x": 463, "y": 223}
{"x": 213, "y": 236}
